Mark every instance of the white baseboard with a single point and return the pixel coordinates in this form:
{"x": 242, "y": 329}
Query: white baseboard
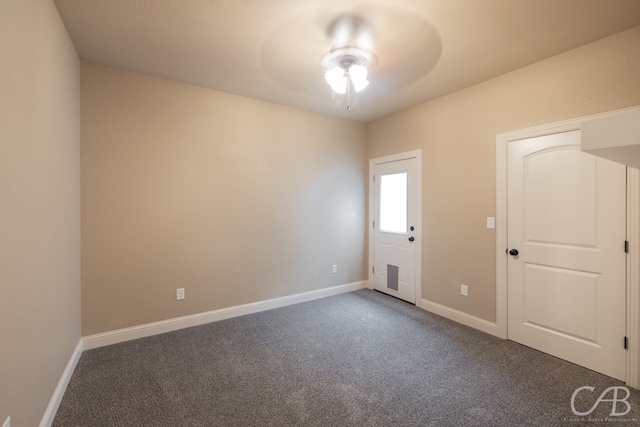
{"x": 155, "y": 328}
{"x": 54, "y": 403}
{"x": 459, "y": 316}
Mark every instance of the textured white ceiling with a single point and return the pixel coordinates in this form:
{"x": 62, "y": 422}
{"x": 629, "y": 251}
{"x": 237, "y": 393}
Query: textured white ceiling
{"x": 271, "y": 49}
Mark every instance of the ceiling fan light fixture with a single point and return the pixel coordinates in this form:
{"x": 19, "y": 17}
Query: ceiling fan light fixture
{"x": 338, "y": 78}
{"x": 358, "y": 74}
{"x": 347, "y": 69}
{"x": 340, "y": 86}
{"x": 359, "y": 85}
{"x": 333, "y": 75}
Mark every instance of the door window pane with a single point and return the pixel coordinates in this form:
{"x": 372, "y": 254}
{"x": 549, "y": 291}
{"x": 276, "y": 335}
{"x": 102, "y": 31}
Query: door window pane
{"x": 393, "y": 203}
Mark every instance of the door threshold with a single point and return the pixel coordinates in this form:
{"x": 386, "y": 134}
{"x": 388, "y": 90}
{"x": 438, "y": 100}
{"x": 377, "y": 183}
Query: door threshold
{"x": 394, "y": 297}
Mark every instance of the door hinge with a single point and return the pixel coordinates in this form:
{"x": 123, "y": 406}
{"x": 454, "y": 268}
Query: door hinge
{"x": 373, "y": 270}
{"x": 626, "y": 246}
{"x": 626, "y": 343}
{"x": 374, "y": 224}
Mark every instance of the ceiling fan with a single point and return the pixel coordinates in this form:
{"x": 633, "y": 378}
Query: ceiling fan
{"x": 363, "y": 50}
{"x": 349, "y": 61}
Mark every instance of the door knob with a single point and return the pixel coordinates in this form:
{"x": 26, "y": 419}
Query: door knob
{"x": 411, "y": 239}
{"x": 513, "y": 252}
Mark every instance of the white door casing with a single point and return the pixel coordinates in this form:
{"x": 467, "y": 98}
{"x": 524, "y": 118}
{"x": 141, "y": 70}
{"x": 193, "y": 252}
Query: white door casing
{"x": 633, "y": 236}
{"x": 395, "y": 254}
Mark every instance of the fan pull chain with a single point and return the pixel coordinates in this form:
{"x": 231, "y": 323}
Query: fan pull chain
{"x": 348, "y": 92}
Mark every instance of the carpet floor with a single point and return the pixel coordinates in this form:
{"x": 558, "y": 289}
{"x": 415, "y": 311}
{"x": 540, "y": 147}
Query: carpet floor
{"x": 356, "y": 359}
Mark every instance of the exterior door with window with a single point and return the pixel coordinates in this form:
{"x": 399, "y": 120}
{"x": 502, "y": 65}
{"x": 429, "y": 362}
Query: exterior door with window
{"x": 394, "y": 228}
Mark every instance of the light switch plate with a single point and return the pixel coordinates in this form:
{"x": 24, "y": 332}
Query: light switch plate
{"x": 491, "y": 222}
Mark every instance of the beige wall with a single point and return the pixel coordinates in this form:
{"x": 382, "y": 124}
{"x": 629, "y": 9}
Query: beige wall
{"x": 39, "y": 207}
{"x": 235, "y": 200}
{"x": 457, "y": 134}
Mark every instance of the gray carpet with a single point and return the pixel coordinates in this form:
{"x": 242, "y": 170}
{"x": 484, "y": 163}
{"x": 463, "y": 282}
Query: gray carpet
{"x": 356, "y": 359}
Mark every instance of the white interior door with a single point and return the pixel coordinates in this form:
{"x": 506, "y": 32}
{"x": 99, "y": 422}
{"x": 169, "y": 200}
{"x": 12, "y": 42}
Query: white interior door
{"x": 395, "y": 235}
{"x": 566, "y": 220}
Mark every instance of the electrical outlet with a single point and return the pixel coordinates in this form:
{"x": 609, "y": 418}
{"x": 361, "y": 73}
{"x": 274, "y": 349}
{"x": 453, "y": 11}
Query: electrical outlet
{"x": 334, "y": 269}
{"x": 464, "y": 290}
{"x": 7, "y": 423}
{"x": 180, "y": 293}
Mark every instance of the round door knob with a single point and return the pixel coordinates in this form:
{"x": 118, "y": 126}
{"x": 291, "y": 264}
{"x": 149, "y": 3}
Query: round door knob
{"x": 411, "y": 239}
{"x": 513, "y": 252}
